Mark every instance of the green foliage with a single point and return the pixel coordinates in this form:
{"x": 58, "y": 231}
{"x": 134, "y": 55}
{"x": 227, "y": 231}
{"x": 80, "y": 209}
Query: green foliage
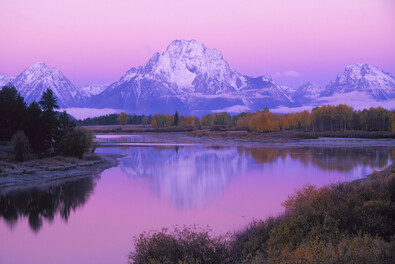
{"x": 43, "y": 126}
{"x": 159, "y": 120}
{"x": 111, "y": 119}
{"x": 123, "y": 118}
{"x": 21, "y": 145}
{"x": 12, "y": 112}
{"x": 250, "y": 244}
{"x": 48, "y": 101}
{"x": 185, "y": 245}
{"x": 221, "y": 119}
{"x": 34, "y": 127}
{"x": 76, "y": 142}
{"x": 207, "y": 120}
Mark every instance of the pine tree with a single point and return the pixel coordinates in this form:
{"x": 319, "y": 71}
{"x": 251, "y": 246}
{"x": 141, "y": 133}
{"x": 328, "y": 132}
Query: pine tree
{"x": 176, "y": 118}
{"x": 48, "y": 101}
{"x": 48, "y": 104}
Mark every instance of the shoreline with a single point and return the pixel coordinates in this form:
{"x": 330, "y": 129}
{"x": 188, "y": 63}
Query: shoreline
{"x": 287, "y": 135}
{"x": 30, "y": 174}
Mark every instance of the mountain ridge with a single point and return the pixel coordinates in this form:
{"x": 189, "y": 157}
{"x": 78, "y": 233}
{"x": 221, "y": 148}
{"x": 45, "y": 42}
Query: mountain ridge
{"x": 191, "y": 78}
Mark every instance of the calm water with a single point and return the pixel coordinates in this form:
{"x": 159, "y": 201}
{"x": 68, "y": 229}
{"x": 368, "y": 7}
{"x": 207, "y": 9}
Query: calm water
{"x": 166, "y": 182}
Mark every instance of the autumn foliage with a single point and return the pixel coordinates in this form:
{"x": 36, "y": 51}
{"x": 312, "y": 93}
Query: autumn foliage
{"x": 342, "y": 223}
{"x": 320, "y": 119}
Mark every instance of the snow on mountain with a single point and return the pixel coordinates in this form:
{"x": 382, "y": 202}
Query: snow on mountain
{"x": 93, "y": 89}
{"x": 33, "y": 81}
{"x": 365, "y": 78}
{"x": 288, "y": 90}
{"x": 190, "y": 78}
{"x": 307, "y": 92}
{"x": 5, "y": 79}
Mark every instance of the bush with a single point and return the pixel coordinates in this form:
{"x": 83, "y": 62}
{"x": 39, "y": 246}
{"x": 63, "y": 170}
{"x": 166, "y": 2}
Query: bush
{"x": 353, "y": 250}
{"x": 186, "y": 245}
{"x": 21, "y": 145}
{"x": 77, "y": 142}
{"x": 344, "y": 223}
{"x": 250, "y": 244}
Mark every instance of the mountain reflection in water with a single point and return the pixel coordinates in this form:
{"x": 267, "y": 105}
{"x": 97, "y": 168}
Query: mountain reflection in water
{"x": 187, "y": 176}
{"x": 45, "y": 202}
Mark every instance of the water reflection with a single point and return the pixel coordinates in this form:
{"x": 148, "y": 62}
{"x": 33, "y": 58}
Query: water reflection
{"x": 329, "y": 159}
{"x": 188, "y": 176}
{"x": 41, "y": 203}
{"x": 184, "y": 175}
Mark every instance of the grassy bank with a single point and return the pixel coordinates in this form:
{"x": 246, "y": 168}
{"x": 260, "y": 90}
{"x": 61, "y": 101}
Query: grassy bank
{"x": 134, "y": 129}
{"x": 286, "y": 135}
{"x": 242, "y": 135}
{"x": 17, "y": 175}
{"x": 342, "y": 223}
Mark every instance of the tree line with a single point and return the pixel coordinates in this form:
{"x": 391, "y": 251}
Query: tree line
{"x": 38, "y": 128}
{"x": 113, "y": 119}
{"x": 324, "y": 118}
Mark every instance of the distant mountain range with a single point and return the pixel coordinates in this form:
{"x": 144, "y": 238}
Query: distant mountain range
{"x": 191, "y": 78}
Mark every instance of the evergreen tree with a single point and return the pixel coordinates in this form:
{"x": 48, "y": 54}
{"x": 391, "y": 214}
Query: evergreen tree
{"x": 48, "y": 101}
{"x": 48, "y": 104}
{"x": 34, "y": 127}
{"x": 12, "y": 112}
{"x": 176, "y": 118}
{"x": 65, "y": 127}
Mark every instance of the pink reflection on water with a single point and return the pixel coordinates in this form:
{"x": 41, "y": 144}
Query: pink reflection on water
{"x": 122, "y": 206}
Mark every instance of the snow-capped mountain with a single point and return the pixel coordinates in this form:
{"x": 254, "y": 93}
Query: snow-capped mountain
{"x": 5, "y": 79}
{"x": 193, "y": 79}
{"x": 33, "y": 81}
{"x": 190, "y": 78}
{"x": 288, "y": 90}
{"x": 364, "y": 78}
{"x": 307, "y": 92}
{"x": 93, "y": 89}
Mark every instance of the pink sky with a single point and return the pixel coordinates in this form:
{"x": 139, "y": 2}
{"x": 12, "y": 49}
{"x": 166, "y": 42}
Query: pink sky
{"x": 97, "y": 41}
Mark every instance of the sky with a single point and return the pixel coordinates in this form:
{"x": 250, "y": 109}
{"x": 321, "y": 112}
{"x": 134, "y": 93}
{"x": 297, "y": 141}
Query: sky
{"x": 97, "y": 41}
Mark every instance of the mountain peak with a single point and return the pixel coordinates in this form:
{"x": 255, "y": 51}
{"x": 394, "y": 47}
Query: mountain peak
{"x": 307, "y": 92}
{"x": 39, "y": 64}
{"x": 34, "y": 80}
{"x": 189, "y": 49}
{"x": 189, "y": 76}
{"x": 184, "y": 43}
{"x": 364, "y": 78}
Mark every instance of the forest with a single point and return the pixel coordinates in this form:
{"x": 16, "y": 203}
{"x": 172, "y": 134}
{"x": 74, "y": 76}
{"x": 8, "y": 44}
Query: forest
{"x": 38, "y": 129}
{"x": 320, "y": 119}
{"x": 324, "y": 118}
{"x": 112, "y": 119}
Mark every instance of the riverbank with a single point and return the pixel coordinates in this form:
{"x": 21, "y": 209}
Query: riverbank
{"x": 286, "y": 135}
{"x": 38, "y": 172}
{"x": 239, "y": 135}
{"x": 122, "y": 129}
{"x": 349, "y": 222}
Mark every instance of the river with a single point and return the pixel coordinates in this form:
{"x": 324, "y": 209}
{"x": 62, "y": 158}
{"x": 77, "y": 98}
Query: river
{"x": 170, "y": 179}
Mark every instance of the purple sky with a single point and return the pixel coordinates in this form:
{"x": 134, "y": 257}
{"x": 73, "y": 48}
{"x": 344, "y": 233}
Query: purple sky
{"x": 97, "y": 41}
